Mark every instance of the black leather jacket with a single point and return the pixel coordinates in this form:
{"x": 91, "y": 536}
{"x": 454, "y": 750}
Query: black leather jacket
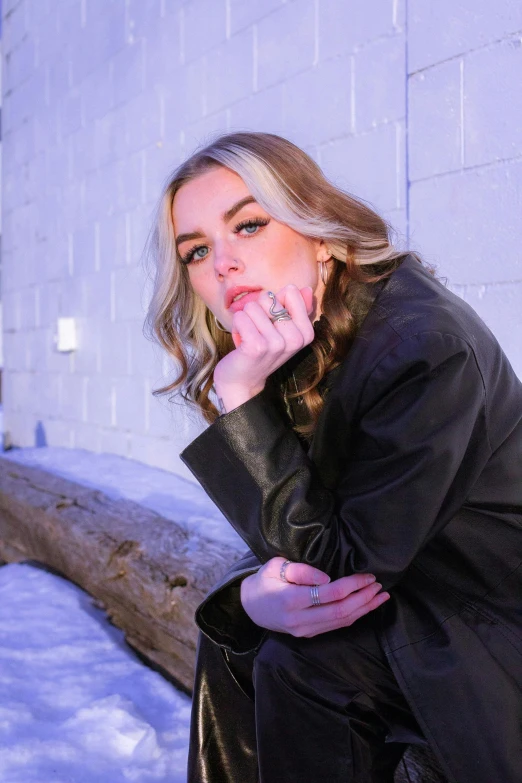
{"x": 414, "y": 473}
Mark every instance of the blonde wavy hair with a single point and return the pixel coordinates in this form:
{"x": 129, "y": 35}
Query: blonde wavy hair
{"x": 292, "y": 189}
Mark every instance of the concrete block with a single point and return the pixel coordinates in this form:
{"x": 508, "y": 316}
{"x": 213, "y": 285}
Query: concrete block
{"x": 11, "y": 318}
{"x": 128, "y": 293}
{"x": 22, "y": 428}
{"x": 70, "y": 113}
{"x": 438, "y": 31}
{"x": 56, "y": 258}
{"x": 103, "y": 35}
{"x": 146, "y": 358}
{"x": 14, "y": 25}
{"x": 97, "y": 295}
{"x": 98, "y": 401}
{"x": 379, "y": 79}
{"x": 130, "y": 403}
{"x": 54, "y": 432}
{"x": 129, "y": 71}
{"x": 235, "y": 57}
{"x": 161, "y": 419}
{"x": 38, "y": 348}
{"x": 28, "y": 306}
{"x": 113, "y": 441}
{"x": 435, "y": 127}
{"x": 342, "y": 27}
{"x": 203, "y": 132}
{"x": 139, "y": 223}
{"x": 318, "y": 103}
{"x": 73, "y": 389}
{"x": 47, "y": 401}
{"x": 203, "y": 27}
{"x": 83, "y": 250}
{"x": 128, "y": 184}
{"x": 160, "y": 453}
{"x": 245, "y": 14}
{"x": 163, "y": 52}
{"x": 15, "y": 351}
{"x": 493, "y": 103}
{"x": 109, "y": 137}
{"x": 112, "y": 241}
{"x": 499, "y": 307}
{"x": 18, "y": 63}
{"x": 138, "y": 16}
{"x": 260, "y": 111}
{"x": 114, "y": 349}
{"x": 97, "y": 92}
{"x": 156, "y": 170}
{"x": 469, "y": 223}
{"x": 86, "y": 436}
{"x": 143, "y": 120}
{"x": 184, "y": 95}
{"x": 87, "y": 360}
{"x": 369, "y": 165}
{"x": 285, "y": 43}
{"x": 50, "y": 295}
{"x": 82, "y": 153}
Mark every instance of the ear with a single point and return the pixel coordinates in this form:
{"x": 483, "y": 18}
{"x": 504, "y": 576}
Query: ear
{"x": 322, "y": 251}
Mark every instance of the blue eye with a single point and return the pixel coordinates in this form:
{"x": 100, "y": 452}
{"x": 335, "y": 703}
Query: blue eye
{"x": 191, "y": 256}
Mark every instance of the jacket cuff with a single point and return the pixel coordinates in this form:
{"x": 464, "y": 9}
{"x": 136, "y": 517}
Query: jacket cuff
{"x": 222, "y": 618}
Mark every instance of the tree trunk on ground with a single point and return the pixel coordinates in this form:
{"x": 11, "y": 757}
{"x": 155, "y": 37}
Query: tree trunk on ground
{"x": 147, "y": 572}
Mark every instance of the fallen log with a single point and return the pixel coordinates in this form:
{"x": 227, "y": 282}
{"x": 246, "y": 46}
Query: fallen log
{"x": 147, "y": 572}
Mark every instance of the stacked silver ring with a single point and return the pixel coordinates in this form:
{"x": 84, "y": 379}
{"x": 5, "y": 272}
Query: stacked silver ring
{"x": 282, "y": 571}
{"x": 314, "y": 595}
{"x": 280, "y": 315}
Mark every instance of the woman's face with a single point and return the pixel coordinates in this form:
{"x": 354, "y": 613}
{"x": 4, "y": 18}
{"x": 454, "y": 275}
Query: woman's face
{"x": 222, "y": 255}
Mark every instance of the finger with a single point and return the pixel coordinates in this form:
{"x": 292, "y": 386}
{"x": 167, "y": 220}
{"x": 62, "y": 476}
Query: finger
{"x": 250, "y": 337}
{"x": 303, "y": 574}
{"x": 308, "y": 297}
{"x": 336, "y": 591}
{"x": 290, "y": 298}
{"x": 311, "y": 629}
{"x": 282, "y": 336}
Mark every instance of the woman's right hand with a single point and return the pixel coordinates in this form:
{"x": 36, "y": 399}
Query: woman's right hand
{"x": 286, "y": 606}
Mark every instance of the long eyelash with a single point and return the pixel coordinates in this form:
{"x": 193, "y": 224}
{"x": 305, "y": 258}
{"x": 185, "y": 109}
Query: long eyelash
{"x": 187, "y": 258}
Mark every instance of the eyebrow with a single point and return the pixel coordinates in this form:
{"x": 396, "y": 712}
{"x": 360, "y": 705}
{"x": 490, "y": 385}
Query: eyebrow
{"x": 225, "y": 217}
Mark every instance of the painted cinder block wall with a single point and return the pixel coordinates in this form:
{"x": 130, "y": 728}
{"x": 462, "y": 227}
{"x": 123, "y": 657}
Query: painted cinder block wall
{"x": 417, "y": 112}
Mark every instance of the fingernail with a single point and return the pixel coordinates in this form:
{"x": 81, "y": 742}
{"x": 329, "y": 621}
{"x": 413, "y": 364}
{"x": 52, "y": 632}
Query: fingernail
{"x": 369, "y": 579}
{"x": 384, "y": 596}
{"x": 322, "y": 579}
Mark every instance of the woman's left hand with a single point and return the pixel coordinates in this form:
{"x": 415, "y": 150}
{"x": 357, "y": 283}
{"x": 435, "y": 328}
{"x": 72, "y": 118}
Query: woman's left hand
{"x": 262, "y": 345}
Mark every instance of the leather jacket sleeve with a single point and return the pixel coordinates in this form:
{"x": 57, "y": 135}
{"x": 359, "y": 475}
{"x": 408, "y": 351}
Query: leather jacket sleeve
{"x": 221, "y": 616}
{"x": 420, "y": 442}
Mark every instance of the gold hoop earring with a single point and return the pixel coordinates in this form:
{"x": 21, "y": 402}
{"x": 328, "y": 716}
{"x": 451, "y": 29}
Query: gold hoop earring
{"x": 219, "y": 325}
{"x": 324, "y": 272}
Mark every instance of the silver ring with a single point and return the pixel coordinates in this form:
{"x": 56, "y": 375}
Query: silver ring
{"x": 280, "y": 315}
{"x": 314, "y": 595}
{"x": 282, "y": 571}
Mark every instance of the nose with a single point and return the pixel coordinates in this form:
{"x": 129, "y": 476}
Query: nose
{"x": 224, "y": 263}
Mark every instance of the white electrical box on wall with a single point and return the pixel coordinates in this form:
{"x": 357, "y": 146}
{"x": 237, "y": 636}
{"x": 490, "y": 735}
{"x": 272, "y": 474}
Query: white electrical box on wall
{"x": 65, "y": 338}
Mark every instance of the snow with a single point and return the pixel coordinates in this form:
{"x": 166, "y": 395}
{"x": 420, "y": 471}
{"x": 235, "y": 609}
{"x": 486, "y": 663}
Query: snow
{"x": 174, "y": 497}
{"x": 76, "y": 704}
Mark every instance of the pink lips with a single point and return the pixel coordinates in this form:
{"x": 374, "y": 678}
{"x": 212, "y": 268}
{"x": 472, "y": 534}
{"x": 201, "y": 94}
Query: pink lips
{"x": 250, "y": 297}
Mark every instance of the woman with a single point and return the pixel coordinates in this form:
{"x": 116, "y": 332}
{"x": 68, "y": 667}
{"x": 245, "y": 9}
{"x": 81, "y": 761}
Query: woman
{"x": 366, "y": 443}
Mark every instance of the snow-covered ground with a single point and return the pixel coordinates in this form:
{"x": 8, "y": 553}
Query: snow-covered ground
{"x": 76, "y": 704}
